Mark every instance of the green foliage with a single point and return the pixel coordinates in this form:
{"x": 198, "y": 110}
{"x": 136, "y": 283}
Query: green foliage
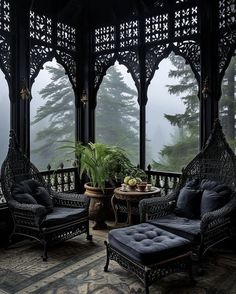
{"x": 102, "y": 163}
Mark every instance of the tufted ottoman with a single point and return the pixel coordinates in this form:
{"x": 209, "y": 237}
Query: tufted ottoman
{"x": 149, "y": 252}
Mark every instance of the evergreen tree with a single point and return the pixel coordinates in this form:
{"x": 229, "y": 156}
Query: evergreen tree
{"x": 227, "y": 103}
{"x": 185, "y": 139}
{"x": 59, "y": 111}
{"x": 116, "y": 115}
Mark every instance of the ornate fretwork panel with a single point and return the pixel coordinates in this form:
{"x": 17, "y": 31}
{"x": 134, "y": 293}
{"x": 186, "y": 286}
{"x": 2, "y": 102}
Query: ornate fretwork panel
{"x": 227, "y": 44}
{"x": 101, "y": 65}
{"x": 66, "y": 36}
{"x": 190, "y": 50}
{"x": 129, "y": 34}
{"x": 104, "y": 39}
{"x": 130, "y": 60}
{"x": 38, "y": 56}
{"x": 40, "y": 27}
{"x": 5, "y": 56}
{"x": 153, "y": 56}
{"x": 186, "y": 22}
{"x": 181, "y": 1}
{"x": 156, "y": 28}
{"x": 227, "y": 10}
{"x": 70, "y": 66}
{"x": 5, "y": 16}
{"x": 227, "y": 32}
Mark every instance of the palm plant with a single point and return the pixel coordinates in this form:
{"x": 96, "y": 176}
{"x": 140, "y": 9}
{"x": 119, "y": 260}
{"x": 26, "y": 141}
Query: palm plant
{"x": 103, "y": 164}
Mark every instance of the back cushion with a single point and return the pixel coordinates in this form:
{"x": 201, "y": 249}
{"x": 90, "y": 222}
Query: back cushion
{"x": 188, "y": 203}
{"x": 25, "y": 198}
{"x": 211, "y": 200}
{"x": 42, "y": 197}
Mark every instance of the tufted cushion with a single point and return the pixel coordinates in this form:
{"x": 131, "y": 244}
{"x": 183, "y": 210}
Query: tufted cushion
{"x": 42, "y": 197}
{"x": 188, "y": 203}
{"x": 212, "y": 200}
{"x": 25, "y": 198}
{"x": 147, "y": 244}
{"x": 62, "y": 215}
{"x": 184, "y": 227}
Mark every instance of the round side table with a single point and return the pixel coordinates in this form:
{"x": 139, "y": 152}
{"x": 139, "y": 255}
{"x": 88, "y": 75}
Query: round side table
{"x": 132, "y": 197}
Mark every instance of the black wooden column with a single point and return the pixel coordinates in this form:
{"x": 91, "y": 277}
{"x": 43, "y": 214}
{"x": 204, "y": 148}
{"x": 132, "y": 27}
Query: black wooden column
{"x": 209, "y": 84}
{"x": 20, "y": 117}
{"x": 85, "y": 111}
{"x": 142, "y": 91}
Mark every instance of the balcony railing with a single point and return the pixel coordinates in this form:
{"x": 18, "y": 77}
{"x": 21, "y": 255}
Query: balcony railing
{"x": 67, "y": 180}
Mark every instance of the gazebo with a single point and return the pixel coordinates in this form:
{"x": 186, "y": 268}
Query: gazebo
{"x": 87, "y": 37}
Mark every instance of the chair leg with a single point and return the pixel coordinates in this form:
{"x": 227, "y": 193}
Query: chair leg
{"x": 146, "y": 286}
{"x": 89, "y": 237}
{"x": 108, "y": 257}
{"x": 45, "y": 250}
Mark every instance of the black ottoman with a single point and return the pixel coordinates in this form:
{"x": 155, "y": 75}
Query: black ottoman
{"x": 149, "y": 252}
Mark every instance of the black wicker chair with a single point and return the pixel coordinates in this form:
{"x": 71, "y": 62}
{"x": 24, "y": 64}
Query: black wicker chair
{"x": 215, "y": 162}
{"x": 70, "y": 213}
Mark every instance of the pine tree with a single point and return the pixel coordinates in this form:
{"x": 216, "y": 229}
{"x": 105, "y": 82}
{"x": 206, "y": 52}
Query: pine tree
{"x": 59, "y": 112}
{"x": 116, "y": 115}
{"x": 185, "y": 139}
{"x": 227, "y": 102}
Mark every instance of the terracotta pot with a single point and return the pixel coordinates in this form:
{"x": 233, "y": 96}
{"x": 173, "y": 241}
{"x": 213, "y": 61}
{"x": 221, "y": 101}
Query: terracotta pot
{"x": 100, "y": 208}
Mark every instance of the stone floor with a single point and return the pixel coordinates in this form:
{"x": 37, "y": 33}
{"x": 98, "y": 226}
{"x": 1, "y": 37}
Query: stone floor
{"x": 76, "y": 267}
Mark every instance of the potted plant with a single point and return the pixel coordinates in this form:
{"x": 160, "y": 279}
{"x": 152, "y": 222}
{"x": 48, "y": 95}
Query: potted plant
{"x": 105, "y": 166}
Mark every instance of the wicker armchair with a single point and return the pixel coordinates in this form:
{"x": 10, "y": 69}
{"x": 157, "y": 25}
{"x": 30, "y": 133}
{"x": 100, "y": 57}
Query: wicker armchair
{"x": 215, "y": 162}
{"x": 70, "y": 213}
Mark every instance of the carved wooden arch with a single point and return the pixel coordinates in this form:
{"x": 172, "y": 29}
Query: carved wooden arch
{"x": 154, "y": 61}
{"x": 112, "y": 63}
{"x": 48, "y": 54}
{"x": 5, "y": 58}
{"x": 101, "y": 65}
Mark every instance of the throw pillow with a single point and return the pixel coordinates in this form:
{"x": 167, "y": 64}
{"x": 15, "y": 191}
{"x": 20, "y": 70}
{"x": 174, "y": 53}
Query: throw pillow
{"x": 30, "y": 185}
{"x": 211, "y": 200}
{"x": 17, "y": 189}
{"x": 193, "y": 184}
{"x": 25, "y": 198}
{"x": 208, "y": 184}
{"x": 188, "y": 203}
{"x": 42, "y": 197}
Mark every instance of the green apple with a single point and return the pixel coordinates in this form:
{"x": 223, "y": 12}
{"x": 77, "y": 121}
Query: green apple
{"x": 126, "y": 179}
{"x": 132, "y": 182}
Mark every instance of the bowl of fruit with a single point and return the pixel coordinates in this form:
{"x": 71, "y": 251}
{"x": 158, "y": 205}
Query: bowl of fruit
{"x": 131, "y": 182}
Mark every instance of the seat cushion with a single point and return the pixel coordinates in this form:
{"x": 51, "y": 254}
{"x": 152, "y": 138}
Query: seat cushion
{"x": 62, "y": 215}
{"x": 147, "y": 244}
{"x": 181, "y": 226}
{"x": 188, "y": 203}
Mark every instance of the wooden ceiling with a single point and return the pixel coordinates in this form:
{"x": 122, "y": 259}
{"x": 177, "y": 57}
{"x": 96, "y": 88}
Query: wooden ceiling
{"x": 95, "y": 12}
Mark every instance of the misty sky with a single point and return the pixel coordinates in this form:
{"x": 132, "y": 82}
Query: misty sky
{"x": 160, "y": 101}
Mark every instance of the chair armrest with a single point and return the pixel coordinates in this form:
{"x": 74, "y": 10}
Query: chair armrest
{"x": 219, "y": 217}
{"x": 70, "y": 200}
{"x": 153, "y": 208}
{"x": 27, "y": 214}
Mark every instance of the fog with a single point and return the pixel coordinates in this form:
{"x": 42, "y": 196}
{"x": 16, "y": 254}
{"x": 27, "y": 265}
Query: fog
{"x": 158, "y": 129}
{"x": 4, "y": 116}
